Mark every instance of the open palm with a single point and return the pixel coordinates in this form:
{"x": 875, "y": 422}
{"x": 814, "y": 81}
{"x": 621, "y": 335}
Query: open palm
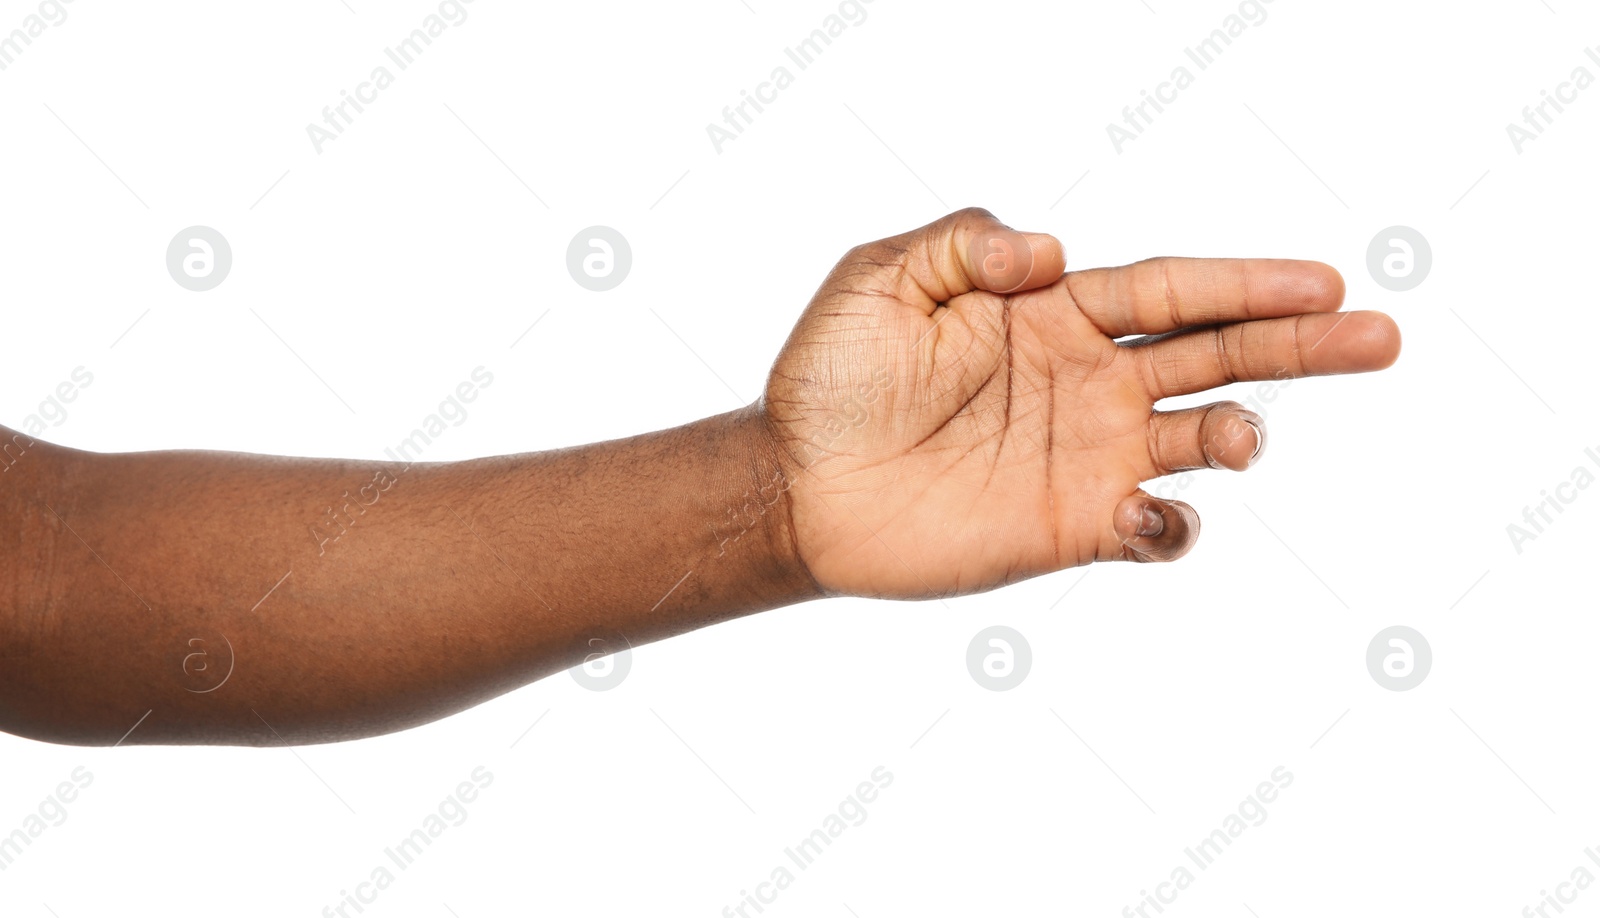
{"x": 955, "y": 413}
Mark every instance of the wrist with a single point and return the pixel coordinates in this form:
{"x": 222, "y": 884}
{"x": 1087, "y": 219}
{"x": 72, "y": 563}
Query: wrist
{"x": 756, "y": 532}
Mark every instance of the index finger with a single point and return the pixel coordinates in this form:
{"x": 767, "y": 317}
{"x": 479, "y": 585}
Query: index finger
{"x": 1162, "y": 295}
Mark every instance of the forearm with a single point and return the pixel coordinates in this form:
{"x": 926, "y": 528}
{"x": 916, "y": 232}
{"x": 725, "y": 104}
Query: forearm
{"x": 341, "y": 598}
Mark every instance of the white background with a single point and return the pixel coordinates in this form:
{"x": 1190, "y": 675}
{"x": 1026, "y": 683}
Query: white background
{"x": 369, "y": 279}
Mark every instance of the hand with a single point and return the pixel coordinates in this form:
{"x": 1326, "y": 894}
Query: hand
{"x": 955, "y": 413}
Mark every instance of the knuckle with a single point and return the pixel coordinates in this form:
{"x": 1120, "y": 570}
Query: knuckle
{"x": 1156, "y": 445}
{"x": 1169, "y": 294}
{"x": 877, "y": 252}
{"x": 969, "y": 216}
{"x": 1230, "y": 352}
{"x": 1296, "y": 346}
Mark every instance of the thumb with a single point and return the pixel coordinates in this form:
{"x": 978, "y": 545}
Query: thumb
{"x": 972, "y": 250}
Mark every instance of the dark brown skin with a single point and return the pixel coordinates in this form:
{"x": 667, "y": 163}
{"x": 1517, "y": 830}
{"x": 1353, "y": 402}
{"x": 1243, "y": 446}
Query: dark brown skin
{"x": 919, "y": 436}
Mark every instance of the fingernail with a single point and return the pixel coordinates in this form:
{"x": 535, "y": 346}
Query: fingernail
{"x": 1261, "y": 441}
{"x": 1150, "y": 522}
